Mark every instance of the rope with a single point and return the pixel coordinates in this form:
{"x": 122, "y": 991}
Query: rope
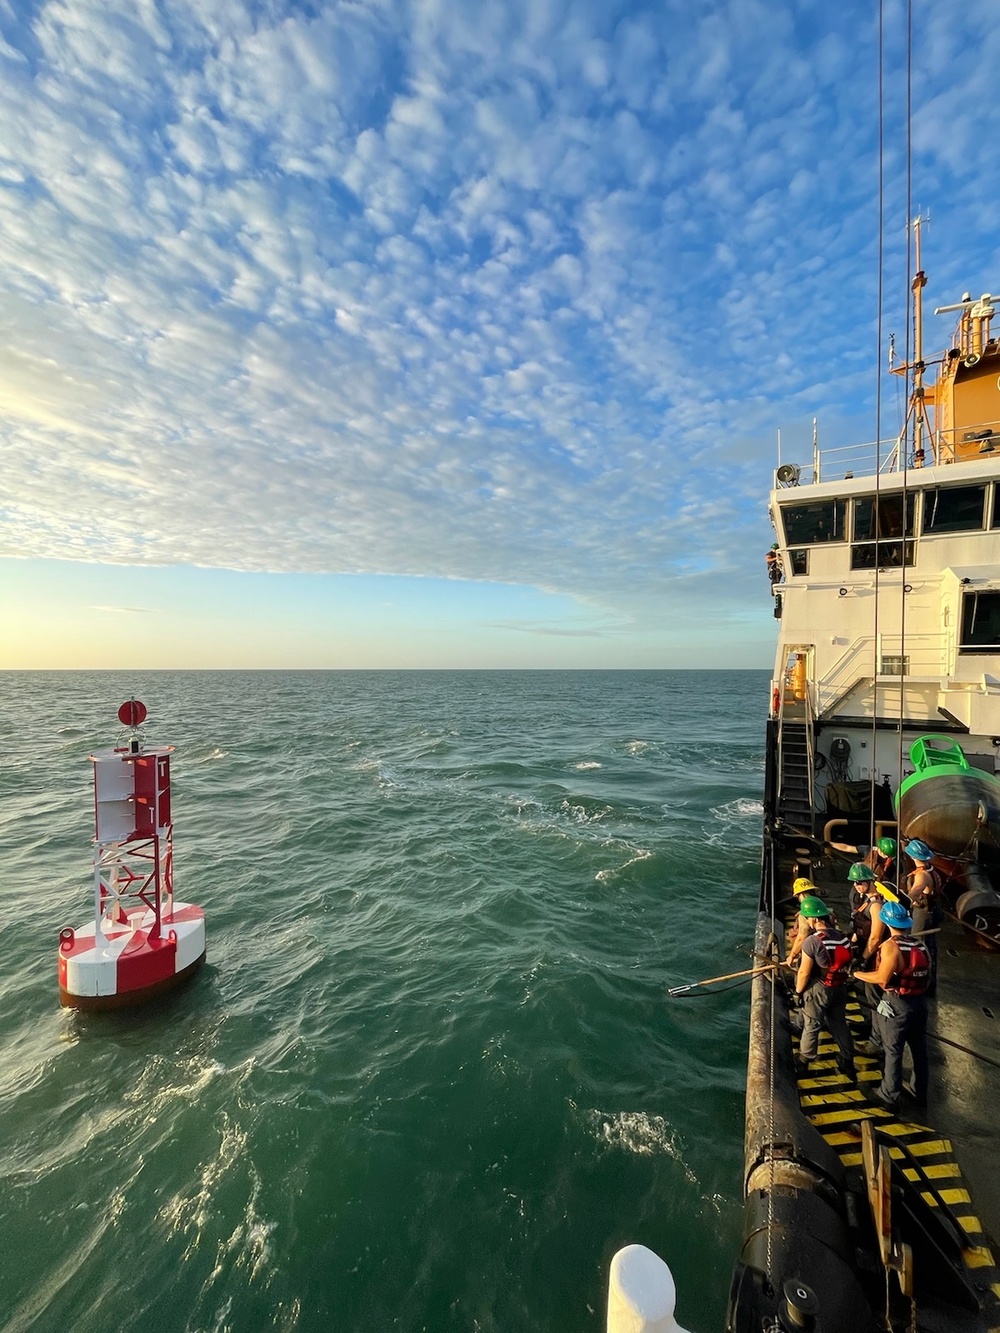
{"x": 878, "y": 413}
{"x": 909, "y": 426}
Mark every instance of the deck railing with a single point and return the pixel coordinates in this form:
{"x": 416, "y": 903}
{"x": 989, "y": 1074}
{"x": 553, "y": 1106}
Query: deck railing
{"x": 843, "y": 462}
{"x": 920, "y": 656}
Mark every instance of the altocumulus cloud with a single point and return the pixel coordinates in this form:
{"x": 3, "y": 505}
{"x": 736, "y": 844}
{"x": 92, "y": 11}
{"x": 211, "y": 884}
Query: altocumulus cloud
{"x": 513, "y": 292}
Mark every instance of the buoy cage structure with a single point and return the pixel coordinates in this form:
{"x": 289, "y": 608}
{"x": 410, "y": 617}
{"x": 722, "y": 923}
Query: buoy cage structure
{"x": 141, "y": 942}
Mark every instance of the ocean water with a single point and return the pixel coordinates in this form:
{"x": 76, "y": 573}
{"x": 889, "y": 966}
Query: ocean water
{"x": 430, "y": 1078}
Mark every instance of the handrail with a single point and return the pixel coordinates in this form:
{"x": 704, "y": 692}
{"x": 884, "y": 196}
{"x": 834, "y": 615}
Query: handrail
{"x": 871, "y": 457}
{"x": 810, "y": 750}
{"x": 931, "y": 648}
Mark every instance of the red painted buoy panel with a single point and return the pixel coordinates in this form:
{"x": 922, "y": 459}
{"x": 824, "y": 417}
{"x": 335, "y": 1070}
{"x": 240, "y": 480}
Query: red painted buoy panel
{"x": 132, "y": 713}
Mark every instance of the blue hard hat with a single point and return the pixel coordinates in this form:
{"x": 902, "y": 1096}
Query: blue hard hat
{"x": 918, "y": 850}
{"x": 896, "y": 916}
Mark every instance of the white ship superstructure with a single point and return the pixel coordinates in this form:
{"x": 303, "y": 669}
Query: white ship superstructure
{"x": 889, "y": 607}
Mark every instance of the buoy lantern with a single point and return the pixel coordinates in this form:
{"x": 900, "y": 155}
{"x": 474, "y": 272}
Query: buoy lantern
{"x": 140, "y": 942}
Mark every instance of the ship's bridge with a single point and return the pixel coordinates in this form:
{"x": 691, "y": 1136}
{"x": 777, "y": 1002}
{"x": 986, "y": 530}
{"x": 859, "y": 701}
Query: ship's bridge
{"x": 896, "y": 577}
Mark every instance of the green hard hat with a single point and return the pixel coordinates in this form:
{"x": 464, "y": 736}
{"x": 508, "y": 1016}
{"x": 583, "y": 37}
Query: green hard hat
{"x": 859, "y": 872}
{"x": 774, "y": 546}
{"x": 813, "y": 907}
{"x": 887, "y": 846}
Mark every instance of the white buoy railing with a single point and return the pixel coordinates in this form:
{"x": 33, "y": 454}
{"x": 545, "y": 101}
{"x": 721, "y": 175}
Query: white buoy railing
{"x": 641, "y": 1293}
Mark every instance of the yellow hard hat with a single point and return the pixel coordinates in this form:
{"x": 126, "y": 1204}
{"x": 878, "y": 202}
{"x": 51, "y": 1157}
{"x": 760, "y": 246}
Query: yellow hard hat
{"x": 803, "y": 886}
{"x": 886, "y": 892}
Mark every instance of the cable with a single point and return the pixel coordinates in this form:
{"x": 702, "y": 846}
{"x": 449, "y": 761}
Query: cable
{"x": 878, "y": 411}
{"x": 912, "y": 406}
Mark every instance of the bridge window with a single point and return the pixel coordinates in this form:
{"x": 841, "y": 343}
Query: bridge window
{"x": 882, "y": 516}
{"x": 881, "y": 555}
{"x": 800, "y": 561}
{"x": 980, "y": 623}
{"x": 809, "y": 524}
{"x": 954, "y": 509}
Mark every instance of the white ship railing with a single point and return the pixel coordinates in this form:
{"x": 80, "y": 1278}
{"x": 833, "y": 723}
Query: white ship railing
{"x": 924, "y": 657}
{"x": 843, "y": 462}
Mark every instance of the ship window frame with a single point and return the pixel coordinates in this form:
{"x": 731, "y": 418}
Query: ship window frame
{"x": 970, "y": 607}
{"x": 885, "y": 505}
{"x": 798, "y": 560}
{"x": 883, "y": 555}
{"x": 932, "y": 496}
{"x": 995, "y": 511}
{"x": 837, "y": 510}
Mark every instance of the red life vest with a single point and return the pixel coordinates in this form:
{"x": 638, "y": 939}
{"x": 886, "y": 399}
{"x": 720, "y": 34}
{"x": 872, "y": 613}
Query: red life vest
{"x": 836, "y": 947}
{"x": 914, "y": 977}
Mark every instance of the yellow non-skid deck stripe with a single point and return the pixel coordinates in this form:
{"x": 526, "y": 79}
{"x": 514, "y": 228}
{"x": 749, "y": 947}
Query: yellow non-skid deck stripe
{"x": 856, "y": 1112}
{"x": 829, "y": 1099}
{"x": 978, "y": 1256}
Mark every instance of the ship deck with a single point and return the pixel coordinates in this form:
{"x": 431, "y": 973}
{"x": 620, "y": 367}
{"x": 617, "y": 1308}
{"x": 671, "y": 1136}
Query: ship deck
{"x": 949, "y": 1149}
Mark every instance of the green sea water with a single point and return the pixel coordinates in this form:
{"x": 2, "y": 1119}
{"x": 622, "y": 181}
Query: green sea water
{"x": 430, "y": 1078}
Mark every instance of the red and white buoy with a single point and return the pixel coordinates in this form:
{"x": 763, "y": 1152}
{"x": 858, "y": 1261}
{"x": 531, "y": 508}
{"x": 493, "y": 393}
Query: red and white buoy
{"x": 140, "y": 942}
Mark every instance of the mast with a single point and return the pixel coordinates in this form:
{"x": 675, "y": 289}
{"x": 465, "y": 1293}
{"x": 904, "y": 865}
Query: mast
{"x": 917, "y": 396}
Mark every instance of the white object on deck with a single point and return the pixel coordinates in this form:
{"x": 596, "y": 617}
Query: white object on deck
{"x": 641, "y": 1293}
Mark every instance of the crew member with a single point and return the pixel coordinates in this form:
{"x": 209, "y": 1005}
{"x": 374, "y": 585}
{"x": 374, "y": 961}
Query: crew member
{"x": 821, "y": 981}
{"x": 799, "y": 928}
{"x": 903, "y": 970}
{"x": 865, "y": 901}
{"x": 775, "y": 572}
{"x": 925, "y": 886}
{"x": 881, "y": 858}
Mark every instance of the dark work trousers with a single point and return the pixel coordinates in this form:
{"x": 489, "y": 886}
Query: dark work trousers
{"x": 870, "y": 996}
{"x": 826, "y": 1007}
{"x": 906, "y": 1027}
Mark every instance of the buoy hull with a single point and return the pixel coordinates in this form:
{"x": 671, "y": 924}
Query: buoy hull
{"x": 948, "y": 810}
{"x": 129, "y": 964}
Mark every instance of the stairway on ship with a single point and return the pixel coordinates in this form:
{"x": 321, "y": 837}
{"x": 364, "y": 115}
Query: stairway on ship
{"x": 794, "y": 776}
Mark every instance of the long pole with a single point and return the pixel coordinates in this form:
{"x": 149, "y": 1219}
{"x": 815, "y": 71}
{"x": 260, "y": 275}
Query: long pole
{"x": 729, "y": 976}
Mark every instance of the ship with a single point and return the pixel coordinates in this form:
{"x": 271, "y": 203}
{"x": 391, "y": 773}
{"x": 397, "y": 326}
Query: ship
{"x": 884, "y": 723}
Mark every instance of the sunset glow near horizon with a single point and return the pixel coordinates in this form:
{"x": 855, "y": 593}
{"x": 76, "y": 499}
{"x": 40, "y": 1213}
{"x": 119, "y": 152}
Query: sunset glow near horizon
{"x": 432, "y": 334}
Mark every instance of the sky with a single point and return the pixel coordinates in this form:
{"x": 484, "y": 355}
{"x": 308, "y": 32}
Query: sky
{"x": 450, "y": 333}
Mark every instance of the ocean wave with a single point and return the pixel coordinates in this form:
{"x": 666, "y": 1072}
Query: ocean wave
{"x": 611, "y": 873}
{"x": 736, "y": 822}
{"x": 583, "y": 811}
{"x": 742, "y": 807}
{"x": 187, "y": 1212}
{"x": 587, "y": 763}
{"x": 638, "y": 1132}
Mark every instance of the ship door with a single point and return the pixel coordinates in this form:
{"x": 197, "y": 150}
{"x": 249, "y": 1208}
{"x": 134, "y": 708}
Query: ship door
{"x": 795, "y": 679}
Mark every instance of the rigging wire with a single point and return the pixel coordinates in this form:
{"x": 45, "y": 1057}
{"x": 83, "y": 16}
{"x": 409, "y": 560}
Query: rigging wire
{"x": 878, "y": 415}
{"x": 913, "y": 407}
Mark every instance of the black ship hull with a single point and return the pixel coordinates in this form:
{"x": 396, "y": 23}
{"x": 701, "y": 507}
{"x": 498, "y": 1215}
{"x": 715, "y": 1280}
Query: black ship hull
{"x": 811, "y": 1255}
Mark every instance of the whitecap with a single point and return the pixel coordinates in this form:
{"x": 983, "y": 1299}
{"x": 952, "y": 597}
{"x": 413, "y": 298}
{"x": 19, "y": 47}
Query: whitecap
{"x": 638, "y": 1133}
{"x": 612, "y": 872}
{"x": 587, "y": 763}
{"x": 581, "y": 815}
{"x": 736, "y": 821}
